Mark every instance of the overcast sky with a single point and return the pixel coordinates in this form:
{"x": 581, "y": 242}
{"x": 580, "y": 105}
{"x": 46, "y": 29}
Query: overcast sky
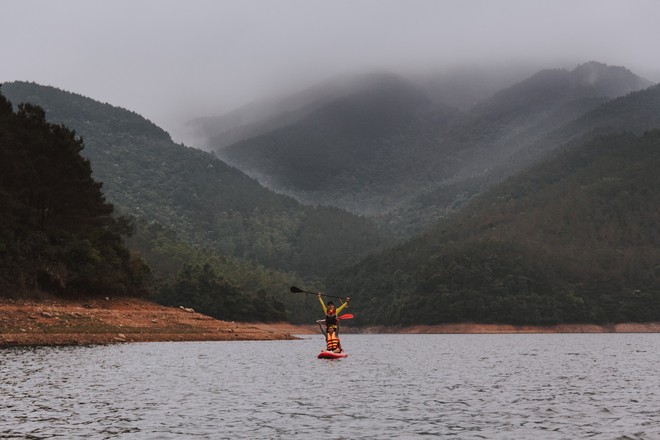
{"x": 173, "y": 60}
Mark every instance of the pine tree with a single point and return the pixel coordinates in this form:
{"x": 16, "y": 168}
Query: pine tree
{"x": 57, "y": 232}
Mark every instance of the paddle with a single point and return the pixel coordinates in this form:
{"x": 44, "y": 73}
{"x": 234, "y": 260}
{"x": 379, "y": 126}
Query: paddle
{"x": 344, "y": 316}
{"x": 295, "y": 289}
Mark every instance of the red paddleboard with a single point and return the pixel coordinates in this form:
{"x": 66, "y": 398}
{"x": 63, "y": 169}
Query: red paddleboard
{"x": 331, "y": 355}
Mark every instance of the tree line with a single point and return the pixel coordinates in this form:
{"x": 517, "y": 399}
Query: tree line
{"x": 57, "y": 233}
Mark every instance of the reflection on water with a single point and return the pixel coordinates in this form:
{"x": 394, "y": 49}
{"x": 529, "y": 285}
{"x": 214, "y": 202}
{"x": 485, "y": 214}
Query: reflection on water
{"x": 390, "y": 386}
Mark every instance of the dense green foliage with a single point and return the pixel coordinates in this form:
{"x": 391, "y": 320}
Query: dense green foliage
{"x": 209, "y": 204}
{"x": 200, "y": 287}
{"x": 574, "y": 239}
{"x": 57, "y": 232}
{"x": 192, "y": 211}
{"x": 167, "y": 256}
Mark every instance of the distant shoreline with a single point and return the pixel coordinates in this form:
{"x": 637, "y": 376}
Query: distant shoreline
{"x": 478, "y": 329}
{"x": 473, "y": 328}
{"x": 120, "y": 320}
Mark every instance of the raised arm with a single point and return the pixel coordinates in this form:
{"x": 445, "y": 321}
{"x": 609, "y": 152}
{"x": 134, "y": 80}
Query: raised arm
{"x": 343, "y": 306}
{"x": 325, "y": 310}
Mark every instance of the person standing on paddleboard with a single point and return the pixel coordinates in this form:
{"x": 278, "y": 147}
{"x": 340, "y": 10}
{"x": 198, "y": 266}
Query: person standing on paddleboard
{"x": 331, "y": 323}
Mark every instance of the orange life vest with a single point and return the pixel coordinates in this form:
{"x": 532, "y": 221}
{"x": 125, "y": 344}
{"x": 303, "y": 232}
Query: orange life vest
{"x": 332, "y": 341}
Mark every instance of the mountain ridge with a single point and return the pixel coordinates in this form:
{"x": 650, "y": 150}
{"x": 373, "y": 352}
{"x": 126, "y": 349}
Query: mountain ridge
{"x": 377, "y": 167}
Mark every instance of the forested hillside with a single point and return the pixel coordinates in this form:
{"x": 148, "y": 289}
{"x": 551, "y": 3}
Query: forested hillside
{"x": 636, "y": 112}
{"x": 406, "y": 159}
{"x": 573, "y": 239}
{"x": 59, "y": 236}
{"x": 216, "y": 239}
{"x": 268, "y": 114}
{"x": 351, "y": 153}
{"x": 57, "y": 232}
{"x": 207, "y": 203}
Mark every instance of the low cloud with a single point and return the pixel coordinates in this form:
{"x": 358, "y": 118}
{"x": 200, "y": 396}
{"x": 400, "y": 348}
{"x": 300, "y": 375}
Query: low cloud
{"x": 172, "y": 60}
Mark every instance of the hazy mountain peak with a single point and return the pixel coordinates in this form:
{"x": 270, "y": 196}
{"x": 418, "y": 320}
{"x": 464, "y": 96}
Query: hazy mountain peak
{"x": 376, "y": 79}
{"x": 610, "y": 81}
{"x": 592, "y": 71}
{"x": 550, "y": 89}
{"x": 264, "y": 116}
{"x": 597, "y": 79}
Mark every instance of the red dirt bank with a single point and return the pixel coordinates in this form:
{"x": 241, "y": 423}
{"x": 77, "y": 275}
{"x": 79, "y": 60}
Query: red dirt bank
{"x": 100, "y": 321}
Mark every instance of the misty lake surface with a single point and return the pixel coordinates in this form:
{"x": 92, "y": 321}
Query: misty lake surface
{"x": 550, "y": 386}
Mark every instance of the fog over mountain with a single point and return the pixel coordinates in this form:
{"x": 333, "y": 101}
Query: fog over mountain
{"x": 174, "y": 61}
{"x": 374, "y": 144}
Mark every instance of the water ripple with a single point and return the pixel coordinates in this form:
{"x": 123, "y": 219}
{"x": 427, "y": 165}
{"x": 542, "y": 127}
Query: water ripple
{"x": 428, "y": 386}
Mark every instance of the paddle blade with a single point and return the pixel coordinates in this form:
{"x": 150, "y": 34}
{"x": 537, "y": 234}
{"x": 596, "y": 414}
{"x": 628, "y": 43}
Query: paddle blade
{"x": 294, "y": 289}
{"x": 345, "y": 316}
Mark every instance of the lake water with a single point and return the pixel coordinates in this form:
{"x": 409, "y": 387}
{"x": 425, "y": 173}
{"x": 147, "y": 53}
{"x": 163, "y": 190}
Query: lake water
{"x": 603, "y": 386}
